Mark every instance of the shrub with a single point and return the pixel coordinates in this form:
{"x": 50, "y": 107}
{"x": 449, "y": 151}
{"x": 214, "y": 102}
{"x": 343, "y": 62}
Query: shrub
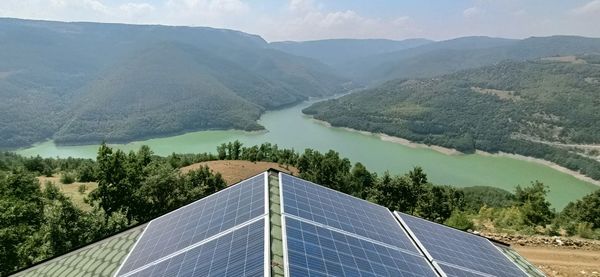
{"x": 459, "y": 220}
{"x": 82, "y": 188}
{"x": 67, "y": 178}
{"x": 584, "y": 230}
{"x": 510, "y": 218}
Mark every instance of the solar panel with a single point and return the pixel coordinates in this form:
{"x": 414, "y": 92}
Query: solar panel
{"x": 318, "y": 251}
{"x": 199, "y": 221}
{"x": 341, "y": 211}
{"x": 237, "y": 253}
{"x": 455, "y": 248}
{"x": 456, "y": 272}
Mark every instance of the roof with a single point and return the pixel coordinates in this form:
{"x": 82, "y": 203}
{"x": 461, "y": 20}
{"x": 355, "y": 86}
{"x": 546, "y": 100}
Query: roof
{"x": 101, "y": 258}
{"x": 274, "y": 224}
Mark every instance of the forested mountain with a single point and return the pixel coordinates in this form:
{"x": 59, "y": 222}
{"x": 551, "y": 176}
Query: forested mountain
{"x": 545, "y": 108}
{"x": 443, "y": 57}
{"x": 87, "y": 82}
{"x": 338, "y": 52}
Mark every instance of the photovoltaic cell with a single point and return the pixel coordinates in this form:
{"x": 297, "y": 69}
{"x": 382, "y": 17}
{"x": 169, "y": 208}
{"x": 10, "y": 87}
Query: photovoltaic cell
{"x": 318, "y": 251}
{"x": 454, "y": 247}
{"x": 328, "y": 207}
{"x": 198, "y": 221}
{"x": 235, "y": 254}
{"x": 455, "y": 272}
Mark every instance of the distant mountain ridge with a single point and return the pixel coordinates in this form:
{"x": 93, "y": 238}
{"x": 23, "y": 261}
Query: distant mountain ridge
{"x": 443, "y": 57}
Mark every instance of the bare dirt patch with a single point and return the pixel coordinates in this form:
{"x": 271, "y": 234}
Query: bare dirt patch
{"x": 554, "y": 255}
{"x": 502, "y": 94}
{"x": 565, "y": 59}
{"x": 562, "y": 261}
{"x": 234, "y": 171}
{"x": 71, "y": 190}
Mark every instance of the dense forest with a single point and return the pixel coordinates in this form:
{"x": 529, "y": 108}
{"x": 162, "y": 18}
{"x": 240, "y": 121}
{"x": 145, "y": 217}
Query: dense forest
{"x": 38, "y": 221}
{"x": 544, "y": 109}
{"x": 88, "y": 82}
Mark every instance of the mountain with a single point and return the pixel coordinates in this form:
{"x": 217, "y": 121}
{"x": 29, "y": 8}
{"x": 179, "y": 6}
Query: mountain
{"x": 544, "y": 108}
{"x": 443, "y": 57}
{"x": 336, "y": 52}
{"x": 87, "y": 82}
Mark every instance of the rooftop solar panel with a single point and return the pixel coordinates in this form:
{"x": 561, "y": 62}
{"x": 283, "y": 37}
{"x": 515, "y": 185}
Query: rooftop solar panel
{"x": 199, "y": 221}
{"x": 237, "y": 253}
{"x": 341, "y": 211}
{"x": 318, "y": 251}
{"x": 456, "y": 272}
{"x": 458, "y": 249}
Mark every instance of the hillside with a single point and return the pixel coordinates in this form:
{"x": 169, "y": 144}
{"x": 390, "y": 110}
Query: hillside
{"x": 337, "y": 52}
{"x": 532, "y": 108}
{"x": 87, "y": 82}
{"x": 442, "y": 57}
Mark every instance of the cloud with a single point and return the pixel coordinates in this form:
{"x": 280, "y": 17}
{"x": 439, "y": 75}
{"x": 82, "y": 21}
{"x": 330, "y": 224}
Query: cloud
{"x": 305, "y": 20}
{"x": 472, "y": 12}
{"x": 591, "y": 8}
{"x": 134, "y": 9}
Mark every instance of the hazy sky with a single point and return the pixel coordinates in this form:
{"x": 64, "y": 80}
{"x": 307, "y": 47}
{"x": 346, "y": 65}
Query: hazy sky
{"x": 317, "y": 19}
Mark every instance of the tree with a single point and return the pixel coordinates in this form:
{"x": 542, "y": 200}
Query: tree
{"x": 532, "y": 201}
{"x": 115, "y": 191}
{"x": 361, "y": 181}
{"x": 21, "y": 214}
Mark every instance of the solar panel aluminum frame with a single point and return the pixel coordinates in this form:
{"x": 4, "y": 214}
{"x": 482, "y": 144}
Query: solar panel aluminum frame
{"x": 284, "y": 228}
{"x": 265, "y": 217}
{"x": 533, "y": 267}
{"x": 436, "y": 263}
{"x": 286, "y": 268}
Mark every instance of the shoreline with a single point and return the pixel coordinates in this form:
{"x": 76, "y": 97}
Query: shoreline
{"x": 450, "y": 152}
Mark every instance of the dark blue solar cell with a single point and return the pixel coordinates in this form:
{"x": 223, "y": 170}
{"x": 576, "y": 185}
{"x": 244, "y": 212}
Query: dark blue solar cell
{"x": 198, "y": 221}
{"x": 319, "y": 251}
{"x": 341, "y": 211}
{"x": 237, "y": 253}
{"x": 455, "y": 247}
{"x": 456, "y": 272}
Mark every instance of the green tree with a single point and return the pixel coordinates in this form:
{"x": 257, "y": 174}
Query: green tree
{"x": 21, "y": 214}
{"x": 115, "y": 192}
{"x": 532, "y": 201}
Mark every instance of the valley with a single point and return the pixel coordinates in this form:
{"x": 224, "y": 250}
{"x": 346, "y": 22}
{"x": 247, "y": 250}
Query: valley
{"x": 290, "y": 128}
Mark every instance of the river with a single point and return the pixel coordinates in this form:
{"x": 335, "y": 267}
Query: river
{"x": 291, "y": 129}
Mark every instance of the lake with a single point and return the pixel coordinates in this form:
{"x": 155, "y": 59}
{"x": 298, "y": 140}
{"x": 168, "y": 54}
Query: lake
{"x": 289, "y": 128}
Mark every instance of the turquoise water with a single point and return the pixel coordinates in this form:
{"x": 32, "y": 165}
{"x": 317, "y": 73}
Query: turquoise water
{"x": 289, "y": 128}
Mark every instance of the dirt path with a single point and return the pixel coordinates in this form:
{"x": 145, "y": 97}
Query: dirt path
{"x": 562, "y": 261}
{"x": 235, "y": 171}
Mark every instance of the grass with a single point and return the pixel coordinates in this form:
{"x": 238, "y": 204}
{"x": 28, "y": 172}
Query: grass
{"x": 71, "y": 190}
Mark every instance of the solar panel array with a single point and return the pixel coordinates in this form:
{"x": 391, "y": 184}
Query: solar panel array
{"x": 325, "y": 233}
{"x": 318, "y": 251}
{"x": 198, "y": 222}
{"x": 328, "y": 233}
{"x": 456, "y": 251}
{"x": 237, "y": 253}
{"x": 341, "y": 211}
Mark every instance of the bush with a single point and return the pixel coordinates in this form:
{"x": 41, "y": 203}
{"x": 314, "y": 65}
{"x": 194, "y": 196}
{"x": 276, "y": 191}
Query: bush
{"x": 584, "y": 230}
{"x": 459, "y": 220}
{"x": 82, "y": 188}
{"x": 67, "y": 178}
{"x": 510, "y": 218}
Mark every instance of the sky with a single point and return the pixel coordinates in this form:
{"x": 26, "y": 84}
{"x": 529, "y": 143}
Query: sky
{"x": 277, "y": 20}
